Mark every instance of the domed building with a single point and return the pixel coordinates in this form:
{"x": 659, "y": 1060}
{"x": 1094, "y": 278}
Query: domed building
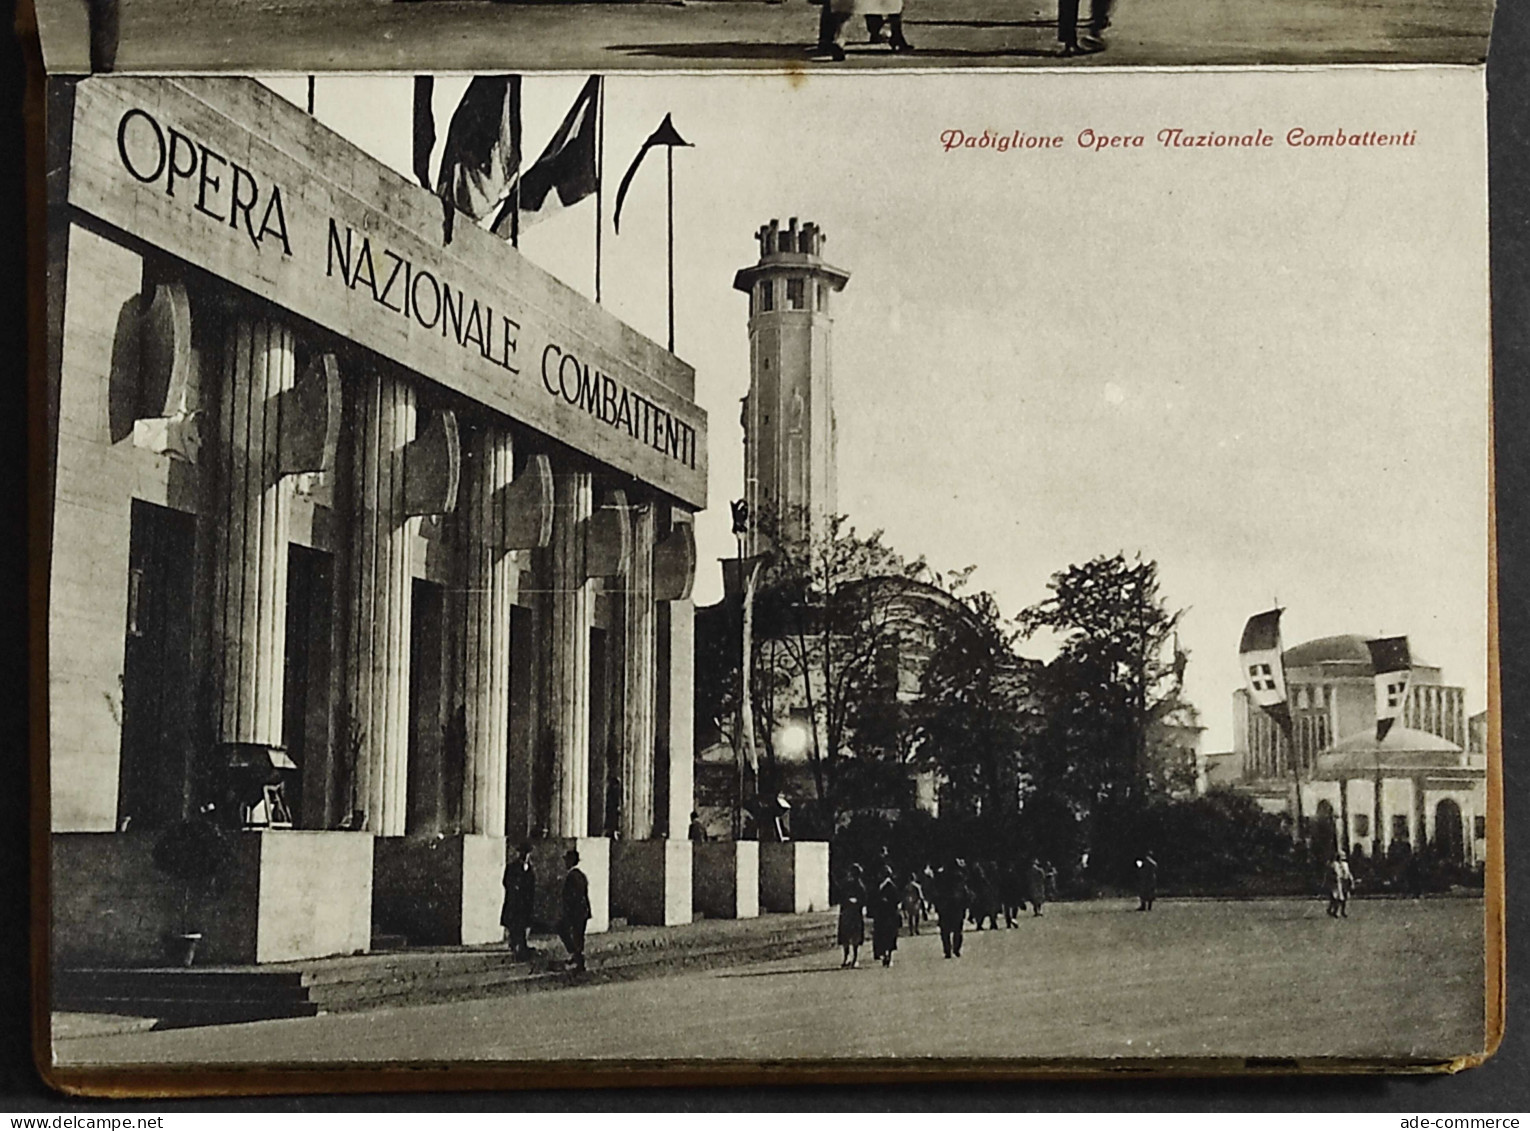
{"x": 1422, "y": 785}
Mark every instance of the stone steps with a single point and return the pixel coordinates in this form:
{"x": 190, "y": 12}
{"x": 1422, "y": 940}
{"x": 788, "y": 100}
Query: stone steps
{"x": 177, "y": 997}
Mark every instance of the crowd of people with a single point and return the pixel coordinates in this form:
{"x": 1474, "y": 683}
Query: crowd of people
{"x": 957, "y": 892}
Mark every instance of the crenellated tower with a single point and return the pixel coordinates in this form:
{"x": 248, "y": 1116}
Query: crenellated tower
{"x": 788, "y": 416}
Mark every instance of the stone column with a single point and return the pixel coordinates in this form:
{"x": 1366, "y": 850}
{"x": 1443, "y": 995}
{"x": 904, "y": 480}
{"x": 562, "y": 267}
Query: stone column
{"x": 491, "y": 590}
{"x": 679, "y": 691}
{"x": 381, "y": 599}
{"x": 637, "y": 690}
{"x": 571, "y": 602}
{"x": 251, "y": 558}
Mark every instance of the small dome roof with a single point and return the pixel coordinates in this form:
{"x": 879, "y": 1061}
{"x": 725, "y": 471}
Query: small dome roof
{"x": 1399, "y": 740}
{"x": 1402, "y": 750}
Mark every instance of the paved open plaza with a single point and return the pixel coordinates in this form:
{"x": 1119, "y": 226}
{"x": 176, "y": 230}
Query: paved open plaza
{"x": 1275, "y": 978}
{"x": 296, "y": 35}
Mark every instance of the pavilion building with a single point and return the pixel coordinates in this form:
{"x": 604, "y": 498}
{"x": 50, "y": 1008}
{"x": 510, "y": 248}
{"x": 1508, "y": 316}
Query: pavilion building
{"x": 1423, "y": 785}
{"x": 373, "y": 545}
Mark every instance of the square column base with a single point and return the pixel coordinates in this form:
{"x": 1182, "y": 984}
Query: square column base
{"x": 651, "y": 881}
{"x": 286, "y": 894}
{"x": 727, "y": 878}
{"x": 439, "y": 891}
{"x": 594, "y": 862}
{"x": 794, "y": 876}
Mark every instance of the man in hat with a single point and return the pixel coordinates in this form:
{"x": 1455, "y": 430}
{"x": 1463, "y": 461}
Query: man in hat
{"x": 574, "y": 912}
{"x": 520, "y": 898}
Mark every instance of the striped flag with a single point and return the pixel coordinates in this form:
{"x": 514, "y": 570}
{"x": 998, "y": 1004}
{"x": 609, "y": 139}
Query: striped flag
{"x": 1393, "y": 665}
{"x": 564, "y": 174}
{"x": 1263, "y": 671}
{"x": 482, "y": 154}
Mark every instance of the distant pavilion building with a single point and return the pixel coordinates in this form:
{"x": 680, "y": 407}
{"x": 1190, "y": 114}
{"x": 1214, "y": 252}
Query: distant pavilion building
{"x": 1424, "y": 785}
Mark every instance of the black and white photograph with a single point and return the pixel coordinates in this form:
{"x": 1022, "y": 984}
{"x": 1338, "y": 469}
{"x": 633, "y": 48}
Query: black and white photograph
{"x": 686, "y": 570}
{"x": 91, "y": 36}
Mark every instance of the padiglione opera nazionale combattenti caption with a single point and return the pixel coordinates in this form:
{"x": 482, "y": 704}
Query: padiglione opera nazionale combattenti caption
{"x": 1099, "y": 141}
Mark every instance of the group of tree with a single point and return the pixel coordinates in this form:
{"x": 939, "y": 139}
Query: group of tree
{"x": 1060, "y": 758}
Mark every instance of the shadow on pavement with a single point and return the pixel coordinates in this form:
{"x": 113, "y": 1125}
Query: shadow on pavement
{"x": 770, "y": 52}
{"x": 766, "y": 52}
{"x": 793, "y": 970}
{"x": 981, "y": 23}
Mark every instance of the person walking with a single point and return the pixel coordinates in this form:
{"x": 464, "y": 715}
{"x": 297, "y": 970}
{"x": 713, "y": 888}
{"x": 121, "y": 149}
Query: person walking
{"x": 1036, "y": 886}
{"x": 837, "y": 14}
{"x": 574, "y": 910}
{"x": 1147, "y": 882}
{"x": 520, "y": 899}
{"x": 951, "y": 905}
{"x": 852, "y": 917}
{"x": 1341, "y": 881}
{"x": 697, "y": 831}
{"x": 913, "y": 904}
{"x": 1068, "y": 39}
{"x": 886, "y": 916}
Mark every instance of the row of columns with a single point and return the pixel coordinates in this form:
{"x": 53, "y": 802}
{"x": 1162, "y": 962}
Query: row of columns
{"x": 383, "y": 527}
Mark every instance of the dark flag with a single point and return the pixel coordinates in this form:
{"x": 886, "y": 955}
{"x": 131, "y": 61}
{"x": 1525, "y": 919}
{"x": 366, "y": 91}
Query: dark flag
{"x": 666, "y": 134}
{"x": 1393, "y": 665}
{"x": 424, "y": 128}
{"x": 1263, "y": 670}
{"x": 482, "y": 155}
{"x": 566, "y": 171}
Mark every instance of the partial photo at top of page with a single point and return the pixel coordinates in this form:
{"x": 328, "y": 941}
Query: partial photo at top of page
{"x": 94, "y": 36}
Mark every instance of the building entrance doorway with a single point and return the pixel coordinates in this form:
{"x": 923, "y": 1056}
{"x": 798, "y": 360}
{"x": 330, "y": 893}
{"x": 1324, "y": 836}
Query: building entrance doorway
{"x": 1449, "y": 834}
{"x": 157, "y": 688}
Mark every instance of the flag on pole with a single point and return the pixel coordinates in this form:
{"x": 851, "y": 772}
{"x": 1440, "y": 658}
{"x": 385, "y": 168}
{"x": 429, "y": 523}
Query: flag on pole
{"x": 482, "y": 155}
{"x": 1263, "y": 672}
{"x": 1393, "y": 665}
{"x": 566, "y": 171}
{"x": 665, "y": 135}
{"x": 424, "y": 128}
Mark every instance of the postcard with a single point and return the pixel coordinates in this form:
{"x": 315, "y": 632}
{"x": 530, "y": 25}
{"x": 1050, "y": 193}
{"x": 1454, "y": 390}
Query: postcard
{"x": 980, "y": 571}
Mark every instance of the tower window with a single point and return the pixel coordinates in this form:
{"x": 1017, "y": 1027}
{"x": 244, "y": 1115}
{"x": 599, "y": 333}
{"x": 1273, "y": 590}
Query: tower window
{"x": 796, "y": 294}
{"x": 823, "y": 296}
{"x": 767, "y": 295}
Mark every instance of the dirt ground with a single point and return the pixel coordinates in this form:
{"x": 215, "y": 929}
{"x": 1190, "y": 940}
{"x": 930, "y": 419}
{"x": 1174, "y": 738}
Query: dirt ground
{"x": 1273, "y": 978}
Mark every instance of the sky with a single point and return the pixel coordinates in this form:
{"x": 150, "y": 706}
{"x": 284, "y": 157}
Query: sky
{"x": 1264, "y": 368}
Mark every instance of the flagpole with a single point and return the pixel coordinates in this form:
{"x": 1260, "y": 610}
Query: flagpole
{"x": 669, "y": 163}
{"x": 600, "y": 166}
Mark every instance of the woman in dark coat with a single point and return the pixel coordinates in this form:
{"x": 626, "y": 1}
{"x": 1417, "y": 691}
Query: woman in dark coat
{"x": 852, "y": 917}
{"x": 1036, "y": 886}
{"x": 886, "y": 916}
{"x": 986, "y": 904}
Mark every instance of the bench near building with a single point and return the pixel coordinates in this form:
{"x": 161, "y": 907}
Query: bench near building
{"x": 357, "y": 530}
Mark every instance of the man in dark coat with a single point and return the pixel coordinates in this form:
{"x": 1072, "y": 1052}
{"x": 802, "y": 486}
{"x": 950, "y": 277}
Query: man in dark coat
{"x": 520, "y": 898}
{"x": 574, "y": 911}
{"x": 951, "y": 906}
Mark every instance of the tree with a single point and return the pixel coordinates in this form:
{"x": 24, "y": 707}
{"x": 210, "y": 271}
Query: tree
{"x": 825, "y": 631}
{"x": 975, "y": 710}
{"x": 1114, "y": 676}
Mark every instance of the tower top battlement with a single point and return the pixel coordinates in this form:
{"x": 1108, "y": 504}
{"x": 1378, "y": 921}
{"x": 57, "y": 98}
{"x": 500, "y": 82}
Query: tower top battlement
{"x": 797, "y": 248}
{"x": 808, "y": 239}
